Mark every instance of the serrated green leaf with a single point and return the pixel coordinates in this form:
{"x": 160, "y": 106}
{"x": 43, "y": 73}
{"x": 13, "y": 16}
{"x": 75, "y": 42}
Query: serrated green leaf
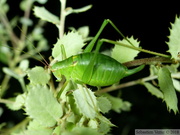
{"x": 104, "y": 120}
{"x": 153, "y": 70}
{"x": 104, "y": 104}
{"x": 118, "y": 104}
{"x": 93, "y": 123}
{"x": 18, "y": 102}
{"x": 81, "y": 131}
{"x": 166, "y": 85}
{"x": 42, "y": 106}
{"x": 124, "y": 54}
{"x": 174, "y": 39}
{"x": 57, "y": 130}
{"x": 85, "y": 131}
{"x": 38, "y": 75}
{"x": 44, "y": 14}
{"x": 104, "y": 127}
{"x": 153, "y": 90}
{"x": 72, "y": 42}
{"x": 35, "y": 128}
{"x": 176, "y": 84}
{"x": 86, "y": 102}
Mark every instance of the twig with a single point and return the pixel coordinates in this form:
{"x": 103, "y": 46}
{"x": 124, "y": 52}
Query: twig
{"x": 132, "y": 83}
{"x": 149, "y": 61}
{"x": 62, "y": 18}
{"x": 12, "y": 35}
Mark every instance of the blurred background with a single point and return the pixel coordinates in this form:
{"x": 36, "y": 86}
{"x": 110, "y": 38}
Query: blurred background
{"x": 147, "y": 21}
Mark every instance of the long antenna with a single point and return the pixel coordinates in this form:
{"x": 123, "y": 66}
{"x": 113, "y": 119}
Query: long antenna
{"x": 45, "y": 62}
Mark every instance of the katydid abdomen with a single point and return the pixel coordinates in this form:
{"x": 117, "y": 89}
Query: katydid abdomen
{"x": 106, "y": 70}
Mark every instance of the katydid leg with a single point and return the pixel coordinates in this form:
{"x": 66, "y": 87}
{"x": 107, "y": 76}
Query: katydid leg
{"x": 89, "y": 70}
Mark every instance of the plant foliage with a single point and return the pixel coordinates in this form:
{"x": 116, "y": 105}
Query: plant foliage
{"x": 67, "y": 107}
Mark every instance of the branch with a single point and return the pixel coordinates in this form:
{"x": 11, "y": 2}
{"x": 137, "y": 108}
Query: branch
{"x": 62, "y": 18}
{"x": 149, "y": 61}
{"x": 132, "y": 83}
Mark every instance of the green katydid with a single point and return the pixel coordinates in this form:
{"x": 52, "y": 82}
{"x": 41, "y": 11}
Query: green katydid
{"x": 94, "y": 69}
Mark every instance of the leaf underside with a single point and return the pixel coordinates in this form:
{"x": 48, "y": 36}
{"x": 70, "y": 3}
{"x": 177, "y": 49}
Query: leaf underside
{"x": 166, "y": 85}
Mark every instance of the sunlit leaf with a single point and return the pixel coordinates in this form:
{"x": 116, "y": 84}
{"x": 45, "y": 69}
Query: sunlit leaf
{"x": 124, "y": 54}
{"x": 82, "y": 131}
{"x": 104, "y": 127}
{"x": 153, "y": 90}
{"x": 86, "y": 102}
{"x": 174, "y": 39}
{"x": 72, "y": 42}
{"x": 44, "y": 14}
{"x": 104, "y": 120}
{"x": 79, "y": 10}
{"x": 176, "y": 84}
{"x": 38, "y": 75}
{"x": 17, "y": 103}
{"x": 35, "y": 128}
{"x": 93, "y": 123}
{"x": 11, "y": 73}
{"x": 24, "y": 64}
{"x": 104, "y": 104}
{"x": 42, "y": 106}
{"x": 85, "y": 131}
{"x": 118, "y": 104}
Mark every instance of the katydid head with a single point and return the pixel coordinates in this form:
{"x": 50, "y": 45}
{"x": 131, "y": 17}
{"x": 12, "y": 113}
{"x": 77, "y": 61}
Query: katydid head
{"x": 64, "y": 67}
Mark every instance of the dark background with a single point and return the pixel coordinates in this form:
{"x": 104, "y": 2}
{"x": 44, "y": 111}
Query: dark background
{"x": 147, "y": 21}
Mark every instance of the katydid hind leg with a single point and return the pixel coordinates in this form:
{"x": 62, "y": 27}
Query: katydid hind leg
{"x": 92, "y": 43}
{"x": 89, "y": 69}
{"x": 115, "y": 27}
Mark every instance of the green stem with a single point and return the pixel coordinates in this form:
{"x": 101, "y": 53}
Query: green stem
{"x": 62, "y": 18}
{"x": 131, "y": 83}
{"x": 6, "y": 23}
{"x": 136, "y": 48}
{"x": 5, "y": 101}
{"x": 24, "y": 28}
{"x": 124, "y": 85}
